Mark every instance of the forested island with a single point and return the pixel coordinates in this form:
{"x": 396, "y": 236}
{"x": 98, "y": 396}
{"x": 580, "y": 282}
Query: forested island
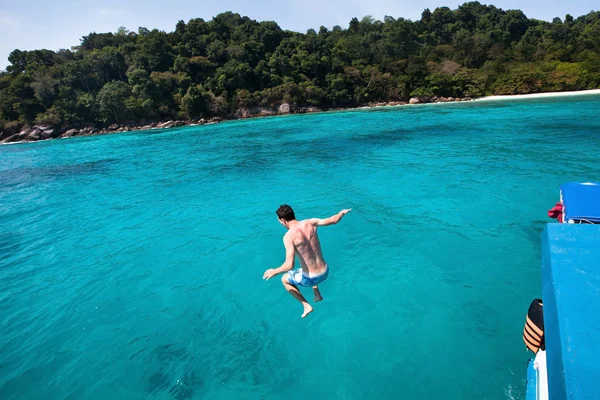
{"x": 236, "y": 67}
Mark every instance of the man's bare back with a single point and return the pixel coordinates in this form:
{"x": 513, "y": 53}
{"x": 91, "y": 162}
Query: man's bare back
{"x": 303, "y": 236}
{"x": 302, "y": 241}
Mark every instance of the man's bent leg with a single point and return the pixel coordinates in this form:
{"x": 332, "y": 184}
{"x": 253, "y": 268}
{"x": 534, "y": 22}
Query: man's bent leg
{"x": 297, "y": 295}
{"x": 318, "y": 296}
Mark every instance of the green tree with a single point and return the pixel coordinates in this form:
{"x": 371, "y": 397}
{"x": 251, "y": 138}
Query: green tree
{"x": 195, "y": 103}
{"x": 111, "y": 101}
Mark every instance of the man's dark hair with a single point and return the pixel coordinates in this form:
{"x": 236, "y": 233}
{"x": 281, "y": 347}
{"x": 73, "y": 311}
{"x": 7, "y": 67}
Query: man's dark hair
{"x": 286, "y": 213}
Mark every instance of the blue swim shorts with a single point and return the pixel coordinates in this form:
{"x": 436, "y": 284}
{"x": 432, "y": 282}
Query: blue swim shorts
{"x": 297, "y": 278}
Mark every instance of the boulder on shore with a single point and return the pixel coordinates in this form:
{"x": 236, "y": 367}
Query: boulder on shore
{"x": 32, "y": 136}
{"x": 167, "y": 124}
{"x": 34, "y": 133}
{"x": 5, "y": 135}
{"x": 242, "y": 113}
{"x": 48, "y": 133}
{"x": 414, "y": 100}
{"x": 17, "y": 137}
{"x": 70, "y": 133}
{"x": 265, "y": 111}
{"x": 23, "y": 136}
{"x": 309, "y": 109}
{"x": 284, "y": 108}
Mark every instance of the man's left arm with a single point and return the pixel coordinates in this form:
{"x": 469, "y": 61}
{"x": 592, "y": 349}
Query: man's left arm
{"x": 288, "y": 263}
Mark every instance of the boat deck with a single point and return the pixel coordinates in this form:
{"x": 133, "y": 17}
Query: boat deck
{"x": 571, "y": 295}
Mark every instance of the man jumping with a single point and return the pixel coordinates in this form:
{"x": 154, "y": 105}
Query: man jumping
{"x": 301, "y": 239}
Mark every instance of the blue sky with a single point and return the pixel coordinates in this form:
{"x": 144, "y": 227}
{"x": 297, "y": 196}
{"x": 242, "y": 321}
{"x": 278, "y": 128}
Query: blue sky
{"x": 29, "y": 25}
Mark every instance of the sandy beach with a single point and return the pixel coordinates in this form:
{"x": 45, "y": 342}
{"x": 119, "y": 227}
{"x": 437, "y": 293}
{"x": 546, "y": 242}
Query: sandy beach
{"x": 536, "y": 95}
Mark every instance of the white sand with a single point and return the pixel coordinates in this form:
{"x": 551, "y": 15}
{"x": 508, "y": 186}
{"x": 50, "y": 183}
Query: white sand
{"x": 533, "y": 95}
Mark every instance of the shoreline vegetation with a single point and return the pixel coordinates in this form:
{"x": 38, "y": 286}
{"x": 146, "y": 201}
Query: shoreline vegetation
{"x": 233, "y": 67}
{"x": 38, "y": 132}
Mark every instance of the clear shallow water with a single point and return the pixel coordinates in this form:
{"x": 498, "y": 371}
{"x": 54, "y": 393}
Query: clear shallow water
{"x": 131, "y": 265}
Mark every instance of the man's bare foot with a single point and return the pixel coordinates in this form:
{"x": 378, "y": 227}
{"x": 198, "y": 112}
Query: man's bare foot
{"x": 317, "y": 293}
{"x": 307, "y": 310}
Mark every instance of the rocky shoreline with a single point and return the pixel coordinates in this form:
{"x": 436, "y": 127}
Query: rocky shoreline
{"x": 40, "y": 132}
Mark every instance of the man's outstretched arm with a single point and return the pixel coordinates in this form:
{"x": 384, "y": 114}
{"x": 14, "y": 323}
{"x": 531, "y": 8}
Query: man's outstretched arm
{"x": 334, "y": 219}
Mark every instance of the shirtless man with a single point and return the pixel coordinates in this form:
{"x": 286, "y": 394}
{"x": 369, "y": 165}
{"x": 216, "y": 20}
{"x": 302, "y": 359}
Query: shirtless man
{"x": 301, "y": 239}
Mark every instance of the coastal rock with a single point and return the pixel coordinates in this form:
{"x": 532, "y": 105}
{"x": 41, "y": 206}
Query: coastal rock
{"x": 48, "y": 133}
{"x": 36, "y": 133}
{"x": 242, "y": 113}
{"x": 457, "y": 99}
{"x": 162, "y": 125}
{"x": 264, "y": 111}
{"x": 87, "y": 131}
{"x": 70, "y": 133}
{"x": 284, "y": 108}
{"x": 113, "y": 127}
{"x": 253, "y": 112}
{"x": 5, "y": 134}
{"x": 215, "y": 120}
{"x": 414, "y": 100}
{"x": 170, "y": 124}
{"x": 14, "y": 138}
{"x": 24, "y": 132}
{"x": 450, "y": 99}
{"x": 33, "y": 135}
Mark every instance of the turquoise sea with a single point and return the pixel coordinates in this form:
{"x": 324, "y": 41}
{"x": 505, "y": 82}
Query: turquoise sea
{"x": 131, "y": 264}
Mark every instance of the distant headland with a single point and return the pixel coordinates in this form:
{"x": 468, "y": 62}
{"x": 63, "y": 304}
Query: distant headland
{"x": 234, "y": 67}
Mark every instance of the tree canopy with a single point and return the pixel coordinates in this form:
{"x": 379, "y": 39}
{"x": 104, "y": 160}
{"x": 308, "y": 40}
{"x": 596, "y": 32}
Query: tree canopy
{"x": 212, "y": 68}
